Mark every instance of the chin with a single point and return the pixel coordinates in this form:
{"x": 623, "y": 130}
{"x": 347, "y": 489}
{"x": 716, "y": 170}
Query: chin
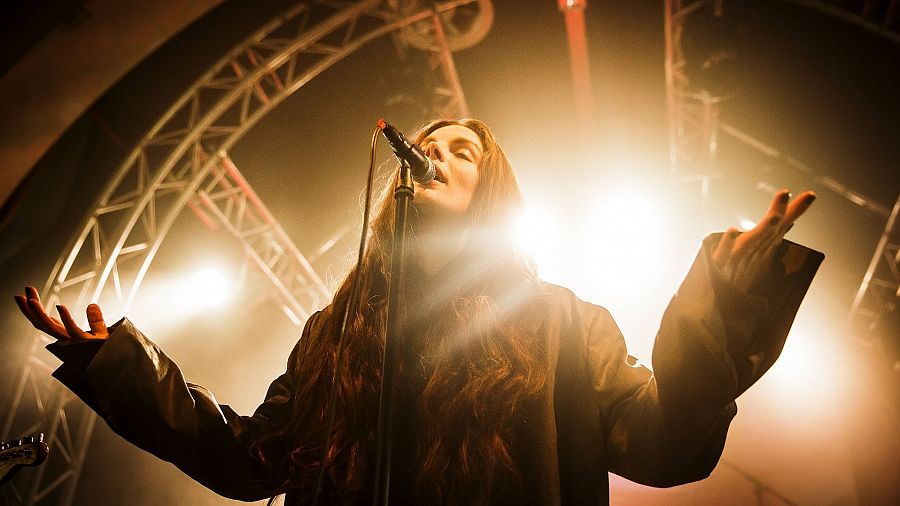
{"x": 434, "y": 211}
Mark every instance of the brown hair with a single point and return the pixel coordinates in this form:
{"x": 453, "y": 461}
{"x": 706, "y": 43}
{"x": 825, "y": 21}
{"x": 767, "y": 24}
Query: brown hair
{"x": 475, "y": 374}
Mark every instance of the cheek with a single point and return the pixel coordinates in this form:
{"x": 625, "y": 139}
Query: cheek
{"x": 471, "y": 181}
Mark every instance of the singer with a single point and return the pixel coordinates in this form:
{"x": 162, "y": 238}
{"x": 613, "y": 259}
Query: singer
{"x": 513, "y": 391}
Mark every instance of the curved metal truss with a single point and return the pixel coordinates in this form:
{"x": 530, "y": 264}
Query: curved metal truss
{"x": 881, "y": 17}
{"x": 182, "y": 161}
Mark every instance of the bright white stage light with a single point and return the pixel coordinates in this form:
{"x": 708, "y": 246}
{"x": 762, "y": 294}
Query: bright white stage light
{"x": 206, "y": 288}
{"x": 623, "y": 237}
{"x": 536, "y": 235}
{"x": 170, "y": 300}
{"x": 811, "y": 371}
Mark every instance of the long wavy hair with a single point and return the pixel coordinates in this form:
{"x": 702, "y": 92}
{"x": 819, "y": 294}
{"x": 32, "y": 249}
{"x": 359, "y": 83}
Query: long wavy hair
{"x": 472, "y": 372}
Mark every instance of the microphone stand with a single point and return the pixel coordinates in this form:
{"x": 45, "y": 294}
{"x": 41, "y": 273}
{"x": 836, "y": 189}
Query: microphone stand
{"x": 394, "y": 338}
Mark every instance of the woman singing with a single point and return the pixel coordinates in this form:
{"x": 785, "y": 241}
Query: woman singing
{"x": 512, "y": 390}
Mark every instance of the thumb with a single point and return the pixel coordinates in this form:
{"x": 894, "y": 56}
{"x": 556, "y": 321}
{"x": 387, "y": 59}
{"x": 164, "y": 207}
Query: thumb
{"x": 95, "y": 320}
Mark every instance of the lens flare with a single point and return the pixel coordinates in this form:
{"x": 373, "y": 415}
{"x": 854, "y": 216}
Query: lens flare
{"x": 206, "y": 288}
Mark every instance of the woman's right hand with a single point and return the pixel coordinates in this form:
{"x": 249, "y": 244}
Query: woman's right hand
{"x": 66, "y": 330}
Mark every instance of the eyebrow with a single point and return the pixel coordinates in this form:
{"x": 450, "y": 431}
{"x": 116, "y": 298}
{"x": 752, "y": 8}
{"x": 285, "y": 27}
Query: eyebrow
{"x": 460, "y": 140}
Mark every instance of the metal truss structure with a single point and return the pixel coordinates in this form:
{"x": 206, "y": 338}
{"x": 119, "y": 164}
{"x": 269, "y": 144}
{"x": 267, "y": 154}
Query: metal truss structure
{"x": 879, "y": 16}
{"x": 851, "y": 195}
{"x": 182, "y": 162}
{"x": 226, "y": 195}
{"x": 693, "y": 113}
{"x": 879, "y": 295}
{"x": 579, "y": 63}
{"x": 874, "y": 323}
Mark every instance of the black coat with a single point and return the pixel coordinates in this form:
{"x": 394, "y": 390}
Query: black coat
{"x": 601, "y": 411}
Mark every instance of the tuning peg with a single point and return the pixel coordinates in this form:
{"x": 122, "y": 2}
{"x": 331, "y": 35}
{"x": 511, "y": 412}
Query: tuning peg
{"x": 3, "y": 445}
{"x": 27, "y": 440}
{"x": 40, "y": 437}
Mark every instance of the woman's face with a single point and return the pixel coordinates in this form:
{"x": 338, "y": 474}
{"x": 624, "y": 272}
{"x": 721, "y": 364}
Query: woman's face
{"x": 456, "y": 152}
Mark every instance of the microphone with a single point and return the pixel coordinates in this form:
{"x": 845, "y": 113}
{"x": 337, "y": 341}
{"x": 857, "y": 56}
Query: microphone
{"x": 421, "y": 167}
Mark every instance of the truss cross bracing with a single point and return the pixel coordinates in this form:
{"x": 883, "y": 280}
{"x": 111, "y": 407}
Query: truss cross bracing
{"x": 879, "y": 293}
{"x": 182, "y": 161}
{"x": 878, "y": 16}
{"x": 693, "y": 113}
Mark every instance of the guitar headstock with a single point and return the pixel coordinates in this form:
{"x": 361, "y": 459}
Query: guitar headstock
{"x": 28, "y": 451}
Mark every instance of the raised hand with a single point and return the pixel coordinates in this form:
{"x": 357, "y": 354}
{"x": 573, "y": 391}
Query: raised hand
{"x": 66, "y": 329}
{"x": 744, "y": 257}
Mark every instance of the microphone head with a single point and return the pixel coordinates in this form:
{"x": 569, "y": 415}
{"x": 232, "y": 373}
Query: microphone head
{"x": 421, "y": 167}
{"x": 424, "y": 172}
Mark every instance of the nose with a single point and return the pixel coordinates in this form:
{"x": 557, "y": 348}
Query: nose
{"x": 433, "y": 151}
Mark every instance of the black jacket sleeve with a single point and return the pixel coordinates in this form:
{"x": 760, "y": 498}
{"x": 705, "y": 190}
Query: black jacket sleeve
{"x": 143, "y": 397}
{"x": 715, "y": 340}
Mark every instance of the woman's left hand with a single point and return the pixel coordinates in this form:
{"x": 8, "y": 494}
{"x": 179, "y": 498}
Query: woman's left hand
{"x": 744, "y": 257}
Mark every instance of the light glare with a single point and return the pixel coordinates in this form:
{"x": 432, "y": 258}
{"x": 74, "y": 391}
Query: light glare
{"x": 169, "y": 301}
{"x": 623, "y": 237}
{"x": 536, "y": 236}
{"x": 207, "y": 287}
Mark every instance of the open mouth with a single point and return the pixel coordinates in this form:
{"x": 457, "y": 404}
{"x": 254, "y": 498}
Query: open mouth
{"x": 439, "y": 176}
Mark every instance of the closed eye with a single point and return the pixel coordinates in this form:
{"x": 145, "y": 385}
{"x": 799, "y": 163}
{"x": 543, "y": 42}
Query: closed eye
{"x": 464, "y": 155}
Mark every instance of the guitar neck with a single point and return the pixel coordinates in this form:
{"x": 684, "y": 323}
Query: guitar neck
{"x": 18, "y": 453}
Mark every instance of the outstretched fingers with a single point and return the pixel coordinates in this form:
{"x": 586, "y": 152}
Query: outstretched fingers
{"x": 96, "y": 322}
{"x": 759, "y": 237}
{"x": 745, "y": 257}
{"x": 31, "y": 306}
{"x": 737, "y": 249}
{"x": 71, "y": 327}
{"x": 95, "y": 319}
{"x": 23, "y": 307}
{"x": 38, "y": 316}
{"x": 798, "y": 206}
{"x": 722, "y": 253}
{"x": 779, "y": 203}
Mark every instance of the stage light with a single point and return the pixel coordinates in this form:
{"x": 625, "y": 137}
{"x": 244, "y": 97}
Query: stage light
{"x": 811, "y": 372}
{"x": 171, "y": 299}
{"x": 623, "y": 236}
{"x": 536, "y": 235}
{"x": 206, "y": 288}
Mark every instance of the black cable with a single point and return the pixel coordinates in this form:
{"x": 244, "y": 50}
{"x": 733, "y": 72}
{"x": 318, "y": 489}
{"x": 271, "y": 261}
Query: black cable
{"x": 349, "y": 309}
